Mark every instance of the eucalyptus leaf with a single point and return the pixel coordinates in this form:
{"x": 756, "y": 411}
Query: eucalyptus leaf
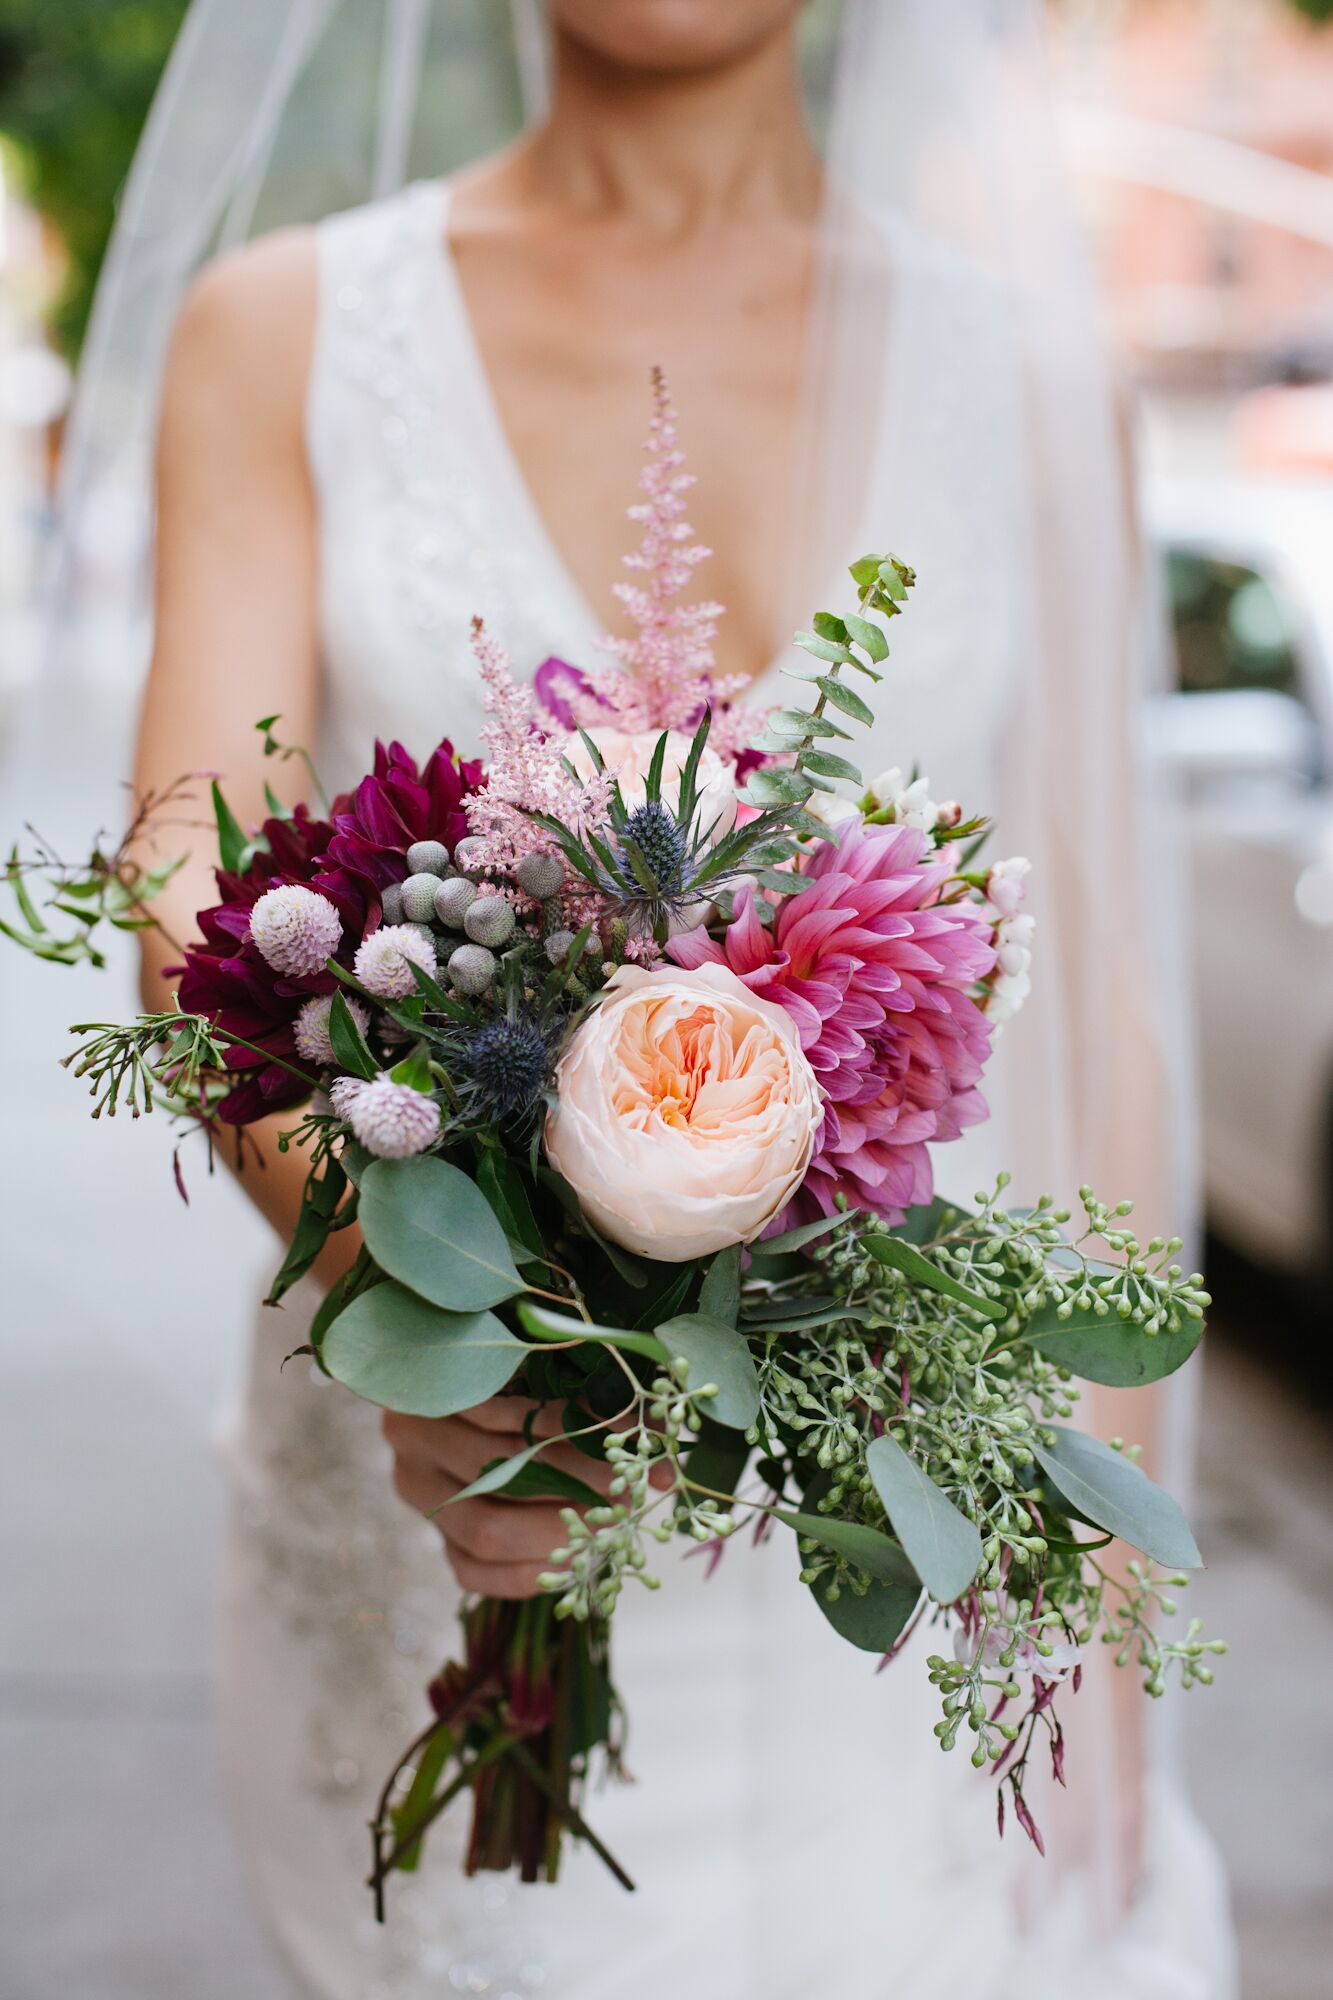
{"x": 395, "y": 1349}
{"x": 930, "y": 1220}
{"x": 826, "y": 765}
{"x": 868, "y": 637}
{"x": 715, "y": 1353}
{"x": 543, "y": 1324}
{"x": 718, "y": 1459}
{"x": 523, "y": 1477}
{"x": 1111, "y": 1491}
{"x": 1111, "y": 1350}
{"x": 865, "y": 1548}
{"x": 720, "y": 1294}
{"x": 777, "y": 788}
{"x": 905, "y": 1257}
{"x": 873, "y": 1619}
{"x": 432, "y": 1228}
{"x": 846, "y": 699}
{"x": 943, "y": 1544}
{"x": 825, "y": 649}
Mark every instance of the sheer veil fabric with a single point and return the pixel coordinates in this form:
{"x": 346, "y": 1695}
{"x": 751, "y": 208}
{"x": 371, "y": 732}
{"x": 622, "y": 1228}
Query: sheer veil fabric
{"x": 960, "y": 408}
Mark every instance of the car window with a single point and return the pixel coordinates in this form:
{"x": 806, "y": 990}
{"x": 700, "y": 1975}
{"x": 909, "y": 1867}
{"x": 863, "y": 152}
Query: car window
{"x": 1234, "y": 627}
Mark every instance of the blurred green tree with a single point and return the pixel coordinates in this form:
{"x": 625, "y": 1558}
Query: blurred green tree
{"x": 76, "y": 80}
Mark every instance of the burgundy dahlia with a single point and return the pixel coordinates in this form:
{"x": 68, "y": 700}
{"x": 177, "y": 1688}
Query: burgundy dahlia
{"x": 348, "y": 859}
{"x": 877, "y": 972}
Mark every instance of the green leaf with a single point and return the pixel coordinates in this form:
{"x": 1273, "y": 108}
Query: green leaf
{"x": 720, "y": 1296}
{"x": 231, "y": 837}
{"x": 805, "y": 1232}
{"x": 845, "y": 698}
{"x": 718, "y": 1459}
{"x": 825, "y": 649}
{"x": 523, "y": 1479}
{"x": 1111, "y": 1350}
{"x": 865, "y": 571}
{"x": 543, "y": 1324}
{"x": 319, "y": 1204}
{"x": 432, "y": 1228}
{"x": 872, "y": 1620}
{"x": 868, "y": 637}
{"x": 905, "y": 1257}
{"x": 799, "y": 722}
{"x": 865, "y": 1548}
{"x": 392, "y": 1348}
{"x": 277, "y": 809}
{"x": 944, "y": 1546}
{"x": 502, "y": 1184}
{"x": 355, "y": 1159}
{"x": 826, "y": 765}
{"x": 829, "y": 626}
{"x": 776, "y": 788}
{"x": 348, "y": 1042}
{"x": 715, "y": 1353}
{"x": 1114, "y": 1494}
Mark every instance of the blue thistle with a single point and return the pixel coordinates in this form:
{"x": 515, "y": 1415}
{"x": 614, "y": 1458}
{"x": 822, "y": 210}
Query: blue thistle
{"x": 653, "y": 850}
{"x": 505, "y": 1064}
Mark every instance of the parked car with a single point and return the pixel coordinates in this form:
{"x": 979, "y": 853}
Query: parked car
{"x": 1249, "y": 582}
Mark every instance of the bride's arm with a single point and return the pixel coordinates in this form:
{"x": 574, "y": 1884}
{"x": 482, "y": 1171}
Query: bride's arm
{"x": 235, "y": 590}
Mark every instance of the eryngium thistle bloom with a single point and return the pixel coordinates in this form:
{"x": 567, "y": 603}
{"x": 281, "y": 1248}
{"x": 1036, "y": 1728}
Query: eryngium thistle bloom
{"x": 382, "y": 960}
{"x": 310, "y": 1030}
{"x": 295, "y": 929}
{"x": 391, "y": 1120}
{"x": 653, "y": 838}
{"x": 505, "y": 1064}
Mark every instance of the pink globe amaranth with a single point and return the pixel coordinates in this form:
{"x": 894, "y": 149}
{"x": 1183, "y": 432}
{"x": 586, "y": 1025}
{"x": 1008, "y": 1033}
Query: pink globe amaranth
{"x": 876, "y": 966}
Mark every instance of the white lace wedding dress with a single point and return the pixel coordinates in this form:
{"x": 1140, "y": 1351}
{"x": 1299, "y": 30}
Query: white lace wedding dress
{"x": 794, "y": 1829}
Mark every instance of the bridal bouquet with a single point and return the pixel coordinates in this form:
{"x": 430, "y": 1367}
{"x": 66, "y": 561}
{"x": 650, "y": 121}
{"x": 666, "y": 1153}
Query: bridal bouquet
{"x": 625, "y": 1051}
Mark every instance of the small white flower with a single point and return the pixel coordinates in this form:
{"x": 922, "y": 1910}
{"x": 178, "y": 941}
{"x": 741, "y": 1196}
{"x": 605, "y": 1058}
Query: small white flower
{"x": 382, "y": 960}
{"x": 1052, "y": 1666}
{"x": 295, "y": 930}
{"x": 391, "y": 1120}
{"x": 831, "y": 809}
{"x": 909, "y": 801}
{"x": 310, "y": 1031}
{"x": 1006, "y": 885}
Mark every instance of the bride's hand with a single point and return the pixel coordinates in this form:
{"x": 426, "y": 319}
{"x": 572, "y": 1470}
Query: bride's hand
{"x": 498, "y": 1547}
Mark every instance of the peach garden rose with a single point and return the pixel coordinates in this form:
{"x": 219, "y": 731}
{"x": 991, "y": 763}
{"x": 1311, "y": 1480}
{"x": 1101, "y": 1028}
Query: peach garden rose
{"x": 686, "y": 1112}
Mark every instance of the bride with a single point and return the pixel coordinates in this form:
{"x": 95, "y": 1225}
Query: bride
{"x": 429, "y": 406}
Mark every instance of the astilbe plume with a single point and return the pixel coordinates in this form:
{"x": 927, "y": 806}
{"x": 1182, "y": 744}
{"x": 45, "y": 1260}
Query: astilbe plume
{"x": 878, "y": 972}
{"x": 667, "y": 675}
{"x": 526, "y": 772}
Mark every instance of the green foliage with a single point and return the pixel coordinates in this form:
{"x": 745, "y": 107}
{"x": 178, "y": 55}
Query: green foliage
{"x": 394, "y": 1349}
{"x": 76, "y": 81}
{"x": 717, "y": 1359}
{"x": 942, "y": 1543}
{"x": 1108, "y": 1489}
{"x": 432, "y": 1228}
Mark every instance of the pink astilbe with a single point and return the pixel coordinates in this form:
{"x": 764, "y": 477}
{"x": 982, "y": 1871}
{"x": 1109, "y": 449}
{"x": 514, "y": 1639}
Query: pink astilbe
{"x": 878, "y": 973}
{"x": 667, "y": 676}
{"x": 525, "y": 772}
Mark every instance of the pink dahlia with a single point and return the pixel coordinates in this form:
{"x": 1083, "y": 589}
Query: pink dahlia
{"x": 877, "y": 970}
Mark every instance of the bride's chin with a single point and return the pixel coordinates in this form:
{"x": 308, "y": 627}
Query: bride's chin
{"x": 671, "y": 34}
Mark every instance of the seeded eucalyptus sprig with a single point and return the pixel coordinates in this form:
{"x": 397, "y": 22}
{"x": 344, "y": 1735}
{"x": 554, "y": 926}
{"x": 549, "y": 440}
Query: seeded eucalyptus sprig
{"x": 834, "y": 643}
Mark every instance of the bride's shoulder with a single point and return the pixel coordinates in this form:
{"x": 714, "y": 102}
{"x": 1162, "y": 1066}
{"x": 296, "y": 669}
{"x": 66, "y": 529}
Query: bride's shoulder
{"x": 247, "y": 322}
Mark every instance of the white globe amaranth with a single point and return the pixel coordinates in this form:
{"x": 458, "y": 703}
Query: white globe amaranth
{"x": 385, "y": 959}
{"x": 390, "y": 1119}
{"x": 295, "y": 930}
{"x": 310, "y": 1030}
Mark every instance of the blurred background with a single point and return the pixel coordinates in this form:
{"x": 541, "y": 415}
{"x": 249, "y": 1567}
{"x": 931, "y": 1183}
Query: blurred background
{"x": 1201, "y": 135}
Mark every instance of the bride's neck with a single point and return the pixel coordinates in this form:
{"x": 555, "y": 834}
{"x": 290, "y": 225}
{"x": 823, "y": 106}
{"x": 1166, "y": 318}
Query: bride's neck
{"x": 674, "y": 150}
